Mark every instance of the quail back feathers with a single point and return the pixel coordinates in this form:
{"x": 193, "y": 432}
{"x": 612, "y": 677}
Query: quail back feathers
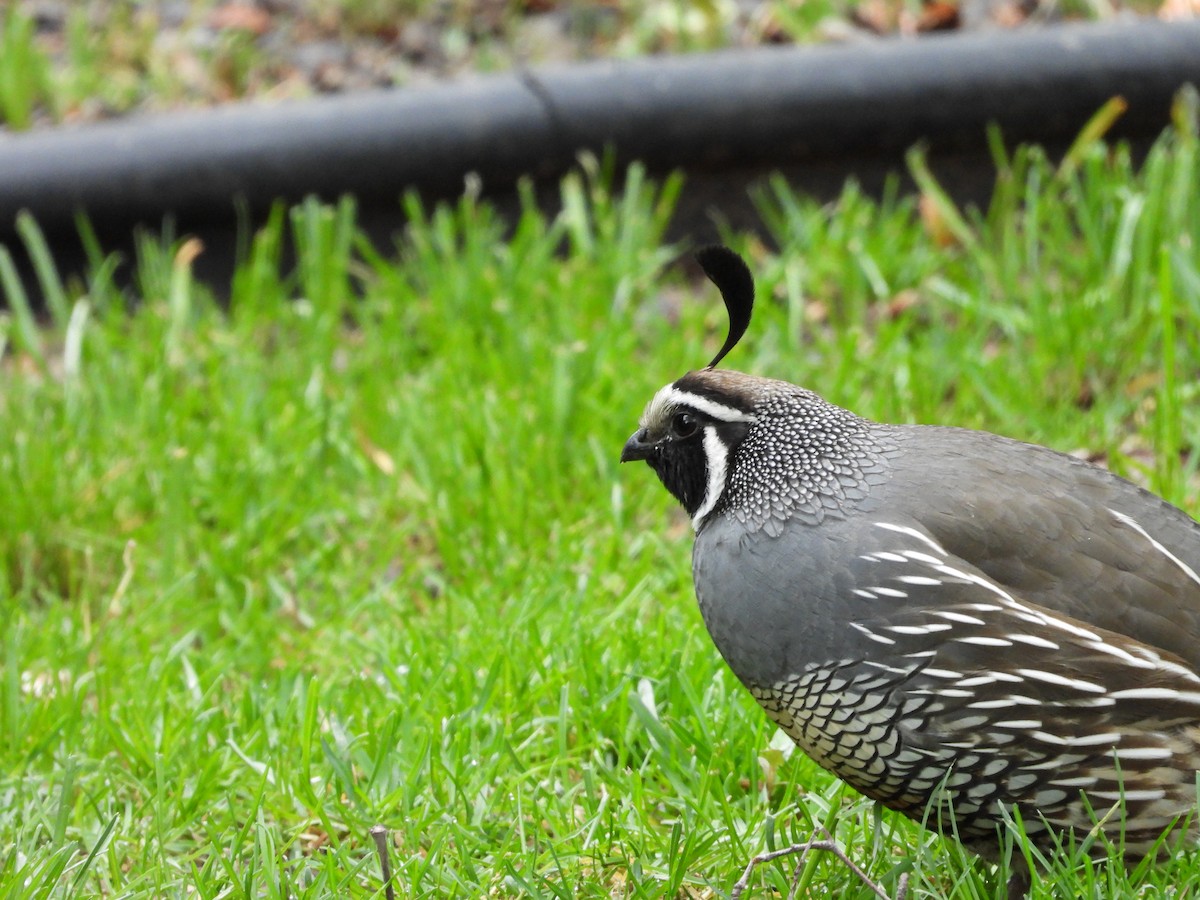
{"x": 938, "y": 612}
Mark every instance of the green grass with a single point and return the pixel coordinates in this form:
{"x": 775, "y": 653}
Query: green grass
{"x": 355, "y": 548}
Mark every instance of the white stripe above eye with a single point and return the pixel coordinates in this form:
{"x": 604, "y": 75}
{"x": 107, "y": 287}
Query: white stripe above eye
{"x": 671, "y": 396}
{"x": 716, "y": 457}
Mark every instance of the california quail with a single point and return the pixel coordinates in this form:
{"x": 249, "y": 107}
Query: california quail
{"x": 936, "y": 613}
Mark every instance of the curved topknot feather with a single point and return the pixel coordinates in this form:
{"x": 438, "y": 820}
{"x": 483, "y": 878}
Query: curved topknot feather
{"x": 732, "y": 277}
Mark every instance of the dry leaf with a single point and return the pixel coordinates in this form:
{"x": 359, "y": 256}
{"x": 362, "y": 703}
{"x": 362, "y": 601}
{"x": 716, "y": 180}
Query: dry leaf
{"x": 935, "y": 222}
{"x": 241, "y": 17}
{"x": 875, "y": 15}
{"x": 380, "y": 457}
{"x": 904, "y": 300}
{"x": 1179, "y": 10}
{"x": 938, "y": 15}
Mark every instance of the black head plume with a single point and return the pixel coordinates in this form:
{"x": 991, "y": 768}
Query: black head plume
{"x": 729, "y": 273}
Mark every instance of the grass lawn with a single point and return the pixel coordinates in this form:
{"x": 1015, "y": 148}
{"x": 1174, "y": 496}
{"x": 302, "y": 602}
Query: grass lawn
{"x": 354, "y": 549}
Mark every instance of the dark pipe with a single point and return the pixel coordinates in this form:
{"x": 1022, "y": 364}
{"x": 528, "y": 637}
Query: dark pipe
{"x": 831, "y": 108}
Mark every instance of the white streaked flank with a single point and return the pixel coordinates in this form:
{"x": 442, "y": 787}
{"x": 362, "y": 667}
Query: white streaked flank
{"x": 870, "y": 634}
{"x": 1092, "y": 740}
{"x": 1064, "y": 625}
{"x": 1033, "y": 641}
{"x": 977, "y": 681}
{"x": 918, "y": 556}
{"x": 1062, "y": 681}
{"x": 1156, "y": 693}
{"x": 1126, "y": 657}
{"x": 943, "y": 673}
{"x": 1084, "y": 703}
{"x": 1127, "y": 753}
{"x": 912, "y": 532}
{"x": 961, "y": 618}
{"x": 891, "y": 670}
{"x": 1047, "y": 738}
{"x": 1132, "y": 523}
{"x": 931, "y": 628}
{"x": 1156, "y": 794}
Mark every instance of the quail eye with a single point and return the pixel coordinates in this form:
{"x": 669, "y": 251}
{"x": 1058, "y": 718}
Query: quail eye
{"x": 684, "y": 425}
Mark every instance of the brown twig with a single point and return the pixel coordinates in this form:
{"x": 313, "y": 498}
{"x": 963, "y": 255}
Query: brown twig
{"x": 828, "y": 845}
{"x": 379, "y": 834}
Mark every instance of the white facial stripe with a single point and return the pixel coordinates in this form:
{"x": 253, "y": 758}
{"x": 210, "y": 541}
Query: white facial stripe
{"x": 716, "y": 457}
{"x": 670, "y": 396}
{"x": 1132, "y": 523}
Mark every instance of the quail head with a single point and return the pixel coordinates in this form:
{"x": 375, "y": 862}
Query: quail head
{"x": 939, "y": 614}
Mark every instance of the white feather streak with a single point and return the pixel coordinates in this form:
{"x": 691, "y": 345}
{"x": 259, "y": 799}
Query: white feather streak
{"x": 716, "y": 457}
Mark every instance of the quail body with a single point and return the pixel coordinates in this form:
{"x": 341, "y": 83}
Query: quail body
{"x": 938, "y": 615}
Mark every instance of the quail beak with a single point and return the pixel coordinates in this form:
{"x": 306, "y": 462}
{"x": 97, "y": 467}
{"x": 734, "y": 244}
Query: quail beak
{"x": 637, "y": 447}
